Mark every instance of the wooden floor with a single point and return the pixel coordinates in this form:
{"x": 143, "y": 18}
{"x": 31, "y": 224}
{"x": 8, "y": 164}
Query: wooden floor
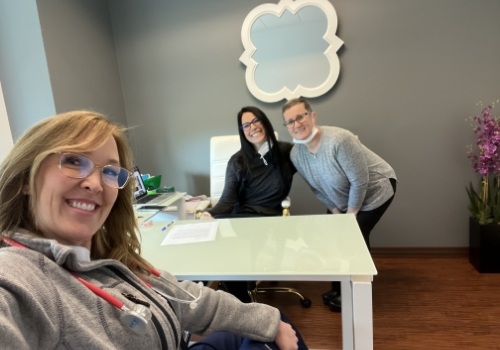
{"x": 418, "y": 303}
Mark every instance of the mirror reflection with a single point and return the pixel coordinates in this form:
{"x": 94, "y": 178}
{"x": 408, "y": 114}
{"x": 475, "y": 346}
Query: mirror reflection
{"x": 290, "y": 49}
{"x": 283, "y": 43}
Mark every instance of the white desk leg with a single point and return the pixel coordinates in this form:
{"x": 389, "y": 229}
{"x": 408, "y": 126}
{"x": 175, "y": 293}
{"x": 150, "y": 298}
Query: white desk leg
{"x": 357, "y": 314}
{"x": 347, "y": 316}
{"x": 362, "y": 312}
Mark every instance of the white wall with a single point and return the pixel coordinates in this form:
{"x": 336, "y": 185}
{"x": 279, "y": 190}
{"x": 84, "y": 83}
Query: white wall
{"x": 5, "y": 134}
{"x": 24, "y": 73}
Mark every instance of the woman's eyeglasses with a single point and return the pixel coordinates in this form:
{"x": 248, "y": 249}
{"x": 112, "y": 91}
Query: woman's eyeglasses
{"x": 291, "y": 122}
{"x": 77, "y": 166}
{"x": 246, "y": 126}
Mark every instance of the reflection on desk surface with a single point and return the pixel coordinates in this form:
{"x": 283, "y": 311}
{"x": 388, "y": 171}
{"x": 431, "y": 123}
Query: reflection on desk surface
{"x": 308, "y": 246}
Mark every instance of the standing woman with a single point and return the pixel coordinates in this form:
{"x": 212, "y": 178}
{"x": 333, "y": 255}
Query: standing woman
{"x": 72, "y": 275}
{"x": 344, "y": 174}
{"x": 258, "y": 176}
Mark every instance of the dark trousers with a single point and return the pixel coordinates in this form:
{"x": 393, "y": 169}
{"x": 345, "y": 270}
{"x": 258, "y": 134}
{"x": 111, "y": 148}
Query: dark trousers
{"x": 367, "y": 221}
{"x": 240, "y": 289}
{"x": 231, "y": 341}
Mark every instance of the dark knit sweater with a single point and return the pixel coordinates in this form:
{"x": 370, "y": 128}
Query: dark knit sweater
{"x": 259, "y": 192}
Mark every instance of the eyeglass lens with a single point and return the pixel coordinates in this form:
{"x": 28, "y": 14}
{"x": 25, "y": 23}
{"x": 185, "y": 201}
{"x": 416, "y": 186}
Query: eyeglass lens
{"x": 78, "y": 167}
{"x": 255, "y": 121}
{"x": 297, "y": 119}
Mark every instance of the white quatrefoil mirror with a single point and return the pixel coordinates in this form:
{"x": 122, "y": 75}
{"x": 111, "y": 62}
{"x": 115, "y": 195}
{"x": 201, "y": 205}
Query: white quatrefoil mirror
{"x": 291, "y": 49}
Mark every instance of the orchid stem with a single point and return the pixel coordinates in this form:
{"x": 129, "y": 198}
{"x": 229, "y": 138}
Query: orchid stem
{"x": 485, "y": 189}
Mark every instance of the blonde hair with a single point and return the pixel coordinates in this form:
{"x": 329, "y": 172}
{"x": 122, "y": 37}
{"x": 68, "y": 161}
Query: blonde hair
{"x": 76, "y": 131}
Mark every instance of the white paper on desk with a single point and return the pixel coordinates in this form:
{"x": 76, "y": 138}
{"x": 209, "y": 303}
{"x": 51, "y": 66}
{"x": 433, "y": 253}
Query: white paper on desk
{"x": 191, "y": 233}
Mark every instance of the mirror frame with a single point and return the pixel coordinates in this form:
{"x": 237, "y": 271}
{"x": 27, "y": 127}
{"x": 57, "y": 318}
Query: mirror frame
{"x": 331, "y": 52}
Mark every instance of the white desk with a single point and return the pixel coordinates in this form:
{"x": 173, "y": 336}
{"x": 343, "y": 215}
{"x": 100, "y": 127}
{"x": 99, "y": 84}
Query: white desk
{"x": 294, "y": 248}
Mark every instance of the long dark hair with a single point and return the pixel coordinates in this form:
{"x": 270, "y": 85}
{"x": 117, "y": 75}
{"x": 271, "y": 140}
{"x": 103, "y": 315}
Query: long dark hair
{"x": 247, "y": 149}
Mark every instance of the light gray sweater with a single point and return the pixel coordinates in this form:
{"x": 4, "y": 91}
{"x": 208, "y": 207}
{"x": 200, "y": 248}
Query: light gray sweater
{"x": 343, "y": 172}
{"x": 43, "y": 306}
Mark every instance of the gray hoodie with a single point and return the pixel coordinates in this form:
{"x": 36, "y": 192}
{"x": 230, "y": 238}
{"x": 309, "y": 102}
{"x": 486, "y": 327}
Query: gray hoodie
{"x": 44, "y": 306}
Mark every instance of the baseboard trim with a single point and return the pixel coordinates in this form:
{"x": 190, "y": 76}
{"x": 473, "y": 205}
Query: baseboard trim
{"x": 420, "y": 252}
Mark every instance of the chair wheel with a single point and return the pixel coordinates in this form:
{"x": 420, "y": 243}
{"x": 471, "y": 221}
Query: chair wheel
{"x": 305, "y": 302}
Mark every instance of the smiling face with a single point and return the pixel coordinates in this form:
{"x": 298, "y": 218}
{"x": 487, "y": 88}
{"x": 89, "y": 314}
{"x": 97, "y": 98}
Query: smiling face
{"x": 299, "y": 130}
{"x": 253, "y": 130}
{"x": 72, "y": 210}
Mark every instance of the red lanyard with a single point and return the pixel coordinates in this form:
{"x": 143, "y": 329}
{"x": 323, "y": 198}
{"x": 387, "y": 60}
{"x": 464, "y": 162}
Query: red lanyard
{"x": 97, "y": 291}
{"x": 135, "y": 319}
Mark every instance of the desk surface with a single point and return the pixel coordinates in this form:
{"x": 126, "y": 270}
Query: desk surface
{"x": 295, "y": 248}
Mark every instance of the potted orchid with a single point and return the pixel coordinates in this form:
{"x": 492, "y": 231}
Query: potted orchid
{"x": 485, "y": 160}
{"x": 484, "y": 203}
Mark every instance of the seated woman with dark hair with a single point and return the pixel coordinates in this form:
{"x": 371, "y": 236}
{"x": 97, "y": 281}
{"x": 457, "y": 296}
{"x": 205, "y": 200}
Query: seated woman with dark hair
{"x": 258, "y": 178}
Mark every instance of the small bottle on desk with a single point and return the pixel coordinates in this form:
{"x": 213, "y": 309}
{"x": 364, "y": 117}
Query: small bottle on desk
{"x": 197, "y": 214}
{"x": 286, "y": 206}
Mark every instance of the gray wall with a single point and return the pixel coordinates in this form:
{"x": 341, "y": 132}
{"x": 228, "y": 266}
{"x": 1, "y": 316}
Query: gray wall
{"x": 411, "y": 73}
{"x": 81, "y": 56}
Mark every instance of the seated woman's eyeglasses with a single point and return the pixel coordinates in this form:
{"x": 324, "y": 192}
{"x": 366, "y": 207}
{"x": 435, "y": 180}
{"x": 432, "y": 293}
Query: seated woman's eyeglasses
{"x": 246, "y": 126}
{"x": 291, "y": 122}
{"x": 77, "y": 166}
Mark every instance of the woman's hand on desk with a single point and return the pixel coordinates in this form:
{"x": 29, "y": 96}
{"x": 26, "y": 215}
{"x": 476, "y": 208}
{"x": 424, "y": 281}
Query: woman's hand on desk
{"x": 286, "y": 338}
{"x": 206, "y": 216}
